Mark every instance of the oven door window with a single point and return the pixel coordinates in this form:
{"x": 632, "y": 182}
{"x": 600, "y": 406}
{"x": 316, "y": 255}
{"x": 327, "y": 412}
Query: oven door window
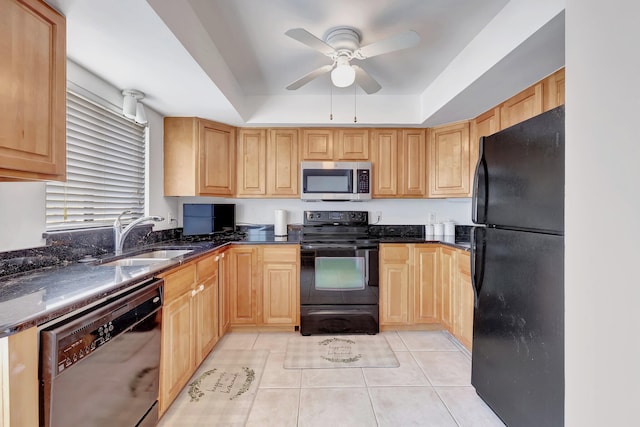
{"x": 340, "y": 273}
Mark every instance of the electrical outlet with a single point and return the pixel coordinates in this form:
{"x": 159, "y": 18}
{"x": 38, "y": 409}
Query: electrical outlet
{"x": 378, "y": 216}
{"x": 170, "y": 218}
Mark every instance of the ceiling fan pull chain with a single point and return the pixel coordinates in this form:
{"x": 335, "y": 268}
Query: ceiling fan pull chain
{"x": 355, "y": 115}
{"x": 330, "y": 100}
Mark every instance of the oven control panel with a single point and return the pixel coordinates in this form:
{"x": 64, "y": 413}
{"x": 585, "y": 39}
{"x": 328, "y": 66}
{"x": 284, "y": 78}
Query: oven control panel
{"x": 336, "y": 217}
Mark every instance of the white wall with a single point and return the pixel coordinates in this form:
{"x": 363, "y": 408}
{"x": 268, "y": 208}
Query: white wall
{"x": 412, "y": 211}
{"x": 22, "y": 205}
{"x": 602, "y": 289}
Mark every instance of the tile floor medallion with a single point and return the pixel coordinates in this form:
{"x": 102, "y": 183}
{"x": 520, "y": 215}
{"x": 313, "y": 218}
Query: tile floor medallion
{"x": 344, "y": 351}
{"x": 221, "y": 392}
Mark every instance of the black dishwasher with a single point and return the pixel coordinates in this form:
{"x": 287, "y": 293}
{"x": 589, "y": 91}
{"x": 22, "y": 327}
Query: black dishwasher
{"x": 101, "y": 366}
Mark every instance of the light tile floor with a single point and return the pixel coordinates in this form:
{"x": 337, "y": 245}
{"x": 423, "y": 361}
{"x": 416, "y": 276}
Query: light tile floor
{"x": 430, "y": 388}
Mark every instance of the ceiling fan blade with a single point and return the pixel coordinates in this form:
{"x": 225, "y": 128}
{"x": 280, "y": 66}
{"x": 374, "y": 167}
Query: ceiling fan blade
{"x": 365, "y": 81}
{"x": 305, "y": 37}
{"x": 393, "y": 43}
{"x": 312, "y": 75}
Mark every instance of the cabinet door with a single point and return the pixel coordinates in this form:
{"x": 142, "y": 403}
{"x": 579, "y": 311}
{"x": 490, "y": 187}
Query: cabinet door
{"x": 206, "y": 317}
{"x": 425, "y": 282}
{"x": 413, "y": 157}
{"x": 445, "y": 289}
{"x": 554, "y": 90}
{"x": 243, "y": 285}
{"x": 33, "y": 70}
{"x": 353, "y": 144}
{"x": 394, "y": 284}
{"x": 251, "y": 162}
{"x": 449, "y": 161}
{"x": 317, "y": 144}
{"x": 384, "y": 148}
{"x": 177, "y": 359}
{"x": 521, "y": 107}
{"x": 463, "y": 319}
{"x": 224, "y": 317}
{"x": 280, "y": 286}
{"x": 217, "y": 159}
{"x": 282, "y": 163}
{"x": 485, "y": 124}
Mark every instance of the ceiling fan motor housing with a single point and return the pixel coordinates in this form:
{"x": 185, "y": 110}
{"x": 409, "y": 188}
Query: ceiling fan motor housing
{"x": 345, "y": 40}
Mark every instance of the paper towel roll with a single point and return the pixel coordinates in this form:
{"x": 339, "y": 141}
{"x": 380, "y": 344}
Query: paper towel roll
{"x": 280, "y": 223}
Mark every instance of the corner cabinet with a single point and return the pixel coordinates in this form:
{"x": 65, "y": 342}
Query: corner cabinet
{"x": 199, "y": 157}
{"x": 33, "y": 102}
{"x": 449, "y": 161}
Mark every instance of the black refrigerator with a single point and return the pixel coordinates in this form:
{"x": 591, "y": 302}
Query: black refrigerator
{"x": 518, "y": 272}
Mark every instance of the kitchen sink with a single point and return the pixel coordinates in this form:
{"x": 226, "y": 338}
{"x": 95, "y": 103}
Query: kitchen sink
{"x": 162, "y": 253}
{"x": 155, "y": 256}
{"x": 130, "y": 262}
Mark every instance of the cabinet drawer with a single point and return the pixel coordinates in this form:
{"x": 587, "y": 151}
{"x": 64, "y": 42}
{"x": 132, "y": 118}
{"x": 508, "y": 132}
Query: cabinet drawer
{"x": 393, "y": 252}
{"x": 206, "y": 267}
{"x": 179, "y": 281}
{"x": 282, "y": 254}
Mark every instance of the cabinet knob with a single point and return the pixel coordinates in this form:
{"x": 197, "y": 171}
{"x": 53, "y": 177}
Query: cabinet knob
{"x": 217, "y": 258}
{"x": 201, "y": 288}
{"x": 193, "y": 292}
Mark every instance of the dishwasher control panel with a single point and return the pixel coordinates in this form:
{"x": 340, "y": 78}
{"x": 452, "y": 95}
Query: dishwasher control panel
{"x": 68, "y": 343}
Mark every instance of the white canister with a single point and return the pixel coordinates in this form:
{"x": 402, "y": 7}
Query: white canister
{"x": 280, "y": 223}
{"x": 438, "y": 229}
{"x": 449, "y": 228}
{"x": 428, "y": 230}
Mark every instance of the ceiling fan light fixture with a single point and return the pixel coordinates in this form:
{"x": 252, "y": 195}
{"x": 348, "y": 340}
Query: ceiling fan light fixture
{"x": 343, "y": 75}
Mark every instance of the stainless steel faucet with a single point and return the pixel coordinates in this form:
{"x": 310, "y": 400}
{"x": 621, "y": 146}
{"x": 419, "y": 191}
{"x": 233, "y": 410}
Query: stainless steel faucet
{"x": 119, "y": 234}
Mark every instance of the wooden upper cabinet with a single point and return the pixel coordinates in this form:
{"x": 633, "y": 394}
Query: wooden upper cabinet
{"x": 33, "y": 101}
{"x": 413, "y": 162}
{"x": 282, "y": 163}
{"x": 317, "y": 144}
{"x": 335, "y": 144}
{"x": 251, "y": 162}
{"x": 485, "y": 124}
{"x": 554, "y": 90}
{"x": 399, "y": 158}
{"x": 353, "y": 144}
{"x": 384, "y": 150}
{"x": 449, "y": 161}
{"x": 521, "y": 107}
{"x": 199, "y": 157}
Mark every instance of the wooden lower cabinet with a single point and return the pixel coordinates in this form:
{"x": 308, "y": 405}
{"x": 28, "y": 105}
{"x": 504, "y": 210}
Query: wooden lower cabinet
{"x": 445, "y": 287}
{"x": 426, "y": 284}
{"x": 395, "y": 282}
{"x": 264, "y": 286}
{"x": 189, "y": 323}
{"x": 407, "y": 284}
{"x": 19, "y": 379}
{"x": 224, "y": 314}
{"x": 464, "y": 300}
{"x": 243, "y": 285}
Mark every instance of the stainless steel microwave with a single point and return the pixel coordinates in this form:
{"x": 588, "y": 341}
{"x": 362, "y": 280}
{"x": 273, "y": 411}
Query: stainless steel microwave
{"x": 335, "y": 181}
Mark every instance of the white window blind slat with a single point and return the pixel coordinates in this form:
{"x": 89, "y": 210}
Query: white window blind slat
{"x": 105, "y": 168}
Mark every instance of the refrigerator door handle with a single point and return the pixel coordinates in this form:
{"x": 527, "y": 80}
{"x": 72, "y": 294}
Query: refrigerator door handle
{"x": 479, "y": 193}
{"x": 477, "y": 263}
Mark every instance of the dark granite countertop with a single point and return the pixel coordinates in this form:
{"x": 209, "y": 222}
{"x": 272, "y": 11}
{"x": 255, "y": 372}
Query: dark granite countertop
{"x": 38, "y": 296}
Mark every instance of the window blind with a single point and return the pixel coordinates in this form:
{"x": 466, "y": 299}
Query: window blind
{"x": 105, "y": 168}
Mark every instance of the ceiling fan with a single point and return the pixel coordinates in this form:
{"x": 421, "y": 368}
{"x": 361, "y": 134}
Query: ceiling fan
{"x": 342, "y": 44}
